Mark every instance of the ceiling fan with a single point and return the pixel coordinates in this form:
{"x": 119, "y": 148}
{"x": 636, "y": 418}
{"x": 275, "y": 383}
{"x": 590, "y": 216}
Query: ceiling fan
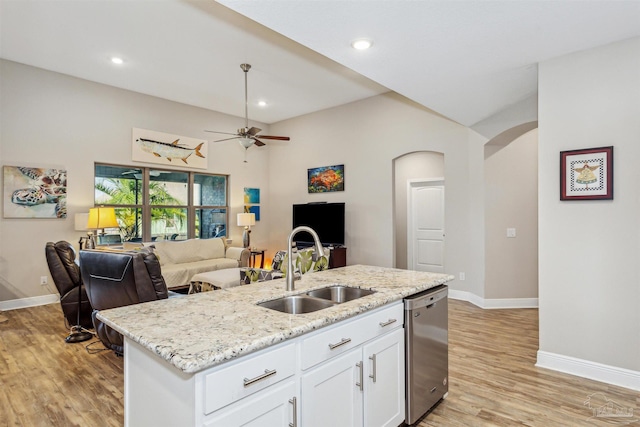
{"x": 248, "y": 136}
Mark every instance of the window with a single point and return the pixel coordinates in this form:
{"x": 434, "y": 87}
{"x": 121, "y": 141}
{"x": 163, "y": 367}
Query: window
{"x": 160, "y": 204}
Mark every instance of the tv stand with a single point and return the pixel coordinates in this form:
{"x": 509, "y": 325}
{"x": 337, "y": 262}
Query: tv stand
{"x": 338, "y": 257}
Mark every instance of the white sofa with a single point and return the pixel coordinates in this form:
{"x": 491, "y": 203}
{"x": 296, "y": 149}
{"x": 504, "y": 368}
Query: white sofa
{"x": 181, "y": 259}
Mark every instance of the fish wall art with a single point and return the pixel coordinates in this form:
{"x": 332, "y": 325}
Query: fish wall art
{"x": 34, "y": 192}
{"x": 167, "y": 149}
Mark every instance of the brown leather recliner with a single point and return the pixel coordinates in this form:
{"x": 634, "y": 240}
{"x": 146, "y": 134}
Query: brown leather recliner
{"x": 61, "y": 259}
{"x": 116, "y": 279}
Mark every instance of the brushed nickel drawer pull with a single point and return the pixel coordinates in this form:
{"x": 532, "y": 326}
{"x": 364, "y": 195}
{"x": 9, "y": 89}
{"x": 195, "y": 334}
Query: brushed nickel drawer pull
{"x": 267, "y": 374}
{"x": 342, "y": 342}
{"x": 294, "y": 402}
{"x": 360, "y": 385}
{"x": 388, "y": 322}
{"x": 373, "y": 362}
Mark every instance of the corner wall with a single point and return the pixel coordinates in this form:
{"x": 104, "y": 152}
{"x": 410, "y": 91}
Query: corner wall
{"x": 589, "y": 251}
{"x": 511, "y": 201}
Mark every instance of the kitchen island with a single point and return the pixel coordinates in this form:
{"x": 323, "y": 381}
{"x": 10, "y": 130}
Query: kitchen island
{"x": 183, "y": 356}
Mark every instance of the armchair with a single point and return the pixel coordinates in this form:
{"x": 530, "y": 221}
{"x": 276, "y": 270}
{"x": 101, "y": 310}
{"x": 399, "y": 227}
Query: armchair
{"x": 116, "y": 279}
{"x": 61, "y": 259}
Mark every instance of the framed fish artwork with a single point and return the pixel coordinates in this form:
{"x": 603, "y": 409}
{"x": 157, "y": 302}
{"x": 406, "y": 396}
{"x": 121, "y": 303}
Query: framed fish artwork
{"x": 325, "y": 179}
{"x": 166, "y": 149}
{"x": 586, "y": 174}
{"x": 31, "y": 192}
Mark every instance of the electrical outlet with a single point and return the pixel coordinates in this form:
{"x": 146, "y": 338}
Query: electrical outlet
{"x": 44, "y": 281}
{"x": 461, "y": 276}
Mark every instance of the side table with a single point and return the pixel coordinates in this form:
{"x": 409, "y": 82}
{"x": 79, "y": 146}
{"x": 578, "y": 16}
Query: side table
{"x": 255, "y": 252}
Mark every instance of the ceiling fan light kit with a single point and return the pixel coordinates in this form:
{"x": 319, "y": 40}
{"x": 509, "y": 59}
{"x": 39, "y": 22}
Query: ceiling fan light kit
{"x": 248, "y": 136}
{"x": 245, "y": 142}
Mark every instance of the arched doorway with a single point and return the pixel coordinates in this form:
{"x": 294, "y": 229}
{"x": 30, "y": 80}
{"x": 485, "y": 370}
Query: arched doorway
{"x": 419, "y": 165}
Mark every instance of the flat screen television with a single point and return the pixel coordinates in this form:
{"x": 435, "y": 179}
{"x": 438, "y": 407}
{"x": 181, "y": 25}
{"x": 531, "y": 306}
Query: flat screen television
{"x": 326, "y": 219}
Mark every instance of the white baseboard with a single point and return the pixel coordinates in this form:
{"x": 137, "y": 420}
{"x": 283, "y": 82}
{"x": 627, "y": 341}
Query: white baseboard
{"x": 14, "y": 304}
{"x": 588, "y": 369}
{"x": 493, "y": 303}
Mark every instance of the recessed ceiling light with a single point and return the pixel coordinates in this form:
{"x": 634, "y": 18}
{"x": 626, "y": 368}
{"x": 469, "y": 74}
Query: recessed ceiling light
{"x": 361, "y": 44}
{"x": 262, "y": 103}
{"x": 117, "y": 60}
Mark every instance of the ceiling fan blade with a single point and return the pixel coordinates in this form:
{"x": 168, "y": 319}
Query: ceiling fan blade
{"x": 253, "y": 131}
{"x": 258, "y": 142}
{"x": 279, "y": 138}
{"x": 224, "y": 133}
{"x": 227, "y": 139}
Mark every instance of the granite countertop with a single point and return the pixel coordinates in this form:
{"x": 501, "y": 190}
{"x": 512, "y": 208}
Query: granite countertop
{"x": 195, "y": 332}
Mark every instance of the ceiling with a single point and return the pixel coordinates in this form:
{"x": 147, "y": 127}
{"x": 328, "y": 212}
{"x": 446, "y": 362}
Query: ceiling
{"x": 467, "y": 60}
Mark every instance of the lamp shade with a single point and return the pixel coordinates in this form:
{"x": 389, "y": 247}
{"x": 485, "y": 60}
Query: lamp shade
{"x": 80, "y": 220}
{"x": 102, "y": 218}
{"x": 246, "y": 219}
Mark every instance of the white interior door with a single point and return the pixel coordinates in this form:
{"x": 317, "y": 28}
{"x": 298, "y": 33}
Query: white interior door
{"x": 425, "y": 225}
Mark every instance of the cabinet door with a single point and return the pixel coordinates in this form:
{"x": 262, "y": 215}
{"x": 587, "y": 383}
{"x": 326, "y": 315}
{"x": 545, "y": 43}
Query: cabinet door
{"x": 384, "y": 385}
{"x": 274, "y": 406}
{"x": 331, "y": 393}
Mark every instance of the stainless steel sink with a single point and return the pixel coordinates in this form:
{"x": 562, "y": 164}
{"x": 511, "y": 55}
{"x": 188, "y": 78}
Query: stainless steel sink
{"x": 297, "y": 304}
{"x": 339, "y": 293}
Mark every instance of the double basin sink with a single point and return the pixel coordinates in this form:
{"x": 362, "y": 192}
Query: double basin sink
{"x": 315, "y": 300}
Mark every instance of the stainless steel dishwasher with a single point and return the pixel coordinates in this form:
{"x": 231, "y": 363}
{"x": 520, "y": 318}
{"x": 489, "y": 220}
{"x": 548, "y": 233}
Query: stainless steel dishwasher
{"x": 427, "y": 351}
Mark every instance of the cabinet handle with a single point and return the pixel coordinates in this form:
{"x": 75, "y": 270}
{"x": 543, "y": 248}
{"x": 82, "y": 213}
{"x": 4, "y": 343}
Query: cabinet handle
{"x": 361, "y": 383}
{"x": 342, "y": 342}
{"x": 387, "y": 323}
{"x": 294, "y": 402}
{"x": 373, "y": 362}
{"x": 267, "y": 374}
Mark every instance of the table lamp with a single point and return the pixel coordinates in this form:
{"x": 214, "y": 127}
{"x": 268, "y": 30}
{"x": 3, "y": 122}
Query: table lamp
{"x": 99, "y": 219}
{"x": 246, "y": 220}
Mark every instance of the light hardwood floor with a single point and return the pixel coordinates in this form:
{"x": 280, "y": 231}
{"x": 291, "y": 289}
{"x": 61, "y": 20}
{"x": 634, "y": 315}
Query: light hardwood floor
{"x": 493, "y": 380}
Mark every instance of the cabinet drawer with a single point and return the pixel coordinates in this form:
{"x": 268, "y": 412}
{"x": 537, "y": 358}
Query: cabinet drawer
{"x": 230, "y": 384}
{"x": 385, "y": 320}
{"x": 349, "y": 334}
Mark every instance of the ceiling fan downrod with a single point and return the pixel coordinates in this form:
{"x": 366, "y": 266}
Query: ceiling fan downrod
{"x": 246, "y": 68}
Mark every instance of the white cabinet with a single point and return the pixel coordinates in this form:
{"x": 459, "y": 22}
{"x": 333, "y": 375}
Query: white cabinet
{"x": 248, "y": 376}
{"x": 348, "y": 374}
{"x": 274, "y": 406}
{"x": 384, "y": 380}
{"x": 331, "y": 396}
{"x": 363, "y": 386}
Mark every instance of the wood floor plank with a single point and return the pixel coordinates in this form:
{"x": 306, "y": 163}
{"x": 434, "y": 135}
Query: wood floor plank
{"x": 47, "y": 382}
{"x": 493, "y": 380}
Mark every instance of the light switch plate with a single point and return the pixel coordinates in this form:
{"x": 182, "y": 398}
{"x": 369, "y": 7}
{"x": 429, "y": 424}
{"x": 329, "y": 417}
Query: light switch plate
{"x": 511, "y": 232}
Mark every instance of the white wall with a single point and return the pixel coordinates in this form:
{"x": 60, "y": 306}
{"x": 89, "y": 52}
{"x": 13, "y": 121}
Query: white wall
{"x": 366, "y": 136}
{"x": 589, "y": 251}
{"x": 54, "y": 120}
{"x": 511, "y": 201}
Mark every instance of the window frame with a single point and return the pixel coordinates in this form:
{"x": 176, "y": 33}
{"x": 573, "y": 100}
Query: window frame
{"x": 146, "y": 207}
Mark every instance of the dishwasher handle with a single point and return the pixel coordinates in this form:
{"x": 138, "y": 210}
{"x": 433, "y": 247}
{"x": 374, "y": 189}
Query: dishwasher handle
{"x": 425, "y": 299}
